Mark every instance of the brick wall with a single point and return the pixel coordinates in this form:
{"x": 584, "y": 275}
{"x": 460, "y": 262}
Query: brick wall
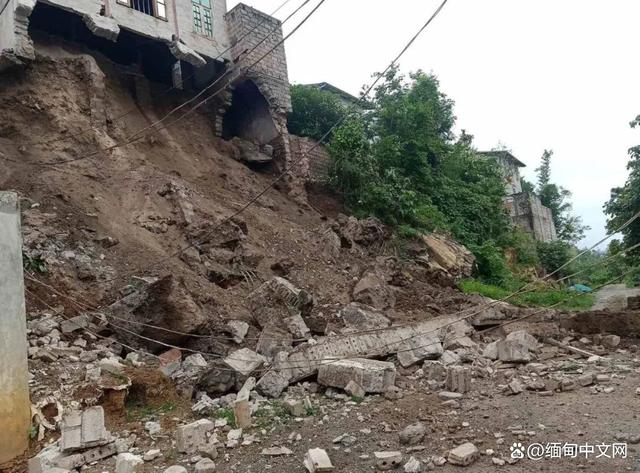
{"x": 314, "y": 166}
{"x": 270, "y": 74}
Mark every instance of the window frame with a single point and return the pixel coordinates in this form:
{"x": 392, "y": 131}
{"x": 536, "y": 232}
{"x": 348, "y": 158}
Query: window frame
{"x": 200, "y": 14}
{"x": 154, "y": 4}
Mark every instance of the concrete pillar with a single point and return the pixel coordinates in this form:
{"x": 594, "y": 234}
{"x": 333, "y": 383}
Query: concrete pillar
{"x": 15, "y": 408}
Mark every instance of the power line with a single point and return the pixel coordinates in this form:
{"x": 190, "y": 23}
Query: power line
{"x": 5, "y": 7}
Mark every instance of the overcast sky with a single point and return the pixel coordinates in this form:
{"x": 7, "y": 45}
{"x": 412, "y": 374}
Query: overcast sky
{"x": 532, "y": 74}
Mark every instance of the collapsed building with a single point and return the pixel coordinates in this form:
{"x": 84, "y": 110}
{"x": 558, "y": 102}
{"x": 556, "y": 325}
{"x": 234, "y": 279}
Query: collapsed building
{"x": 193, "y": 45}
{"x": 525, "y": 208}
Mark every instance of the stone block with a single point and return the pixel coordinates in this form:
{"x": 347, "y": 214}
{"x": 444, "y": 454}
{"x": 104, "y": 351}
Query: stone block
{"x": 272, "y": 384}
{"x": 388, "y": 460}
{"x": 412, "y": 434}
{"x": 512, "y": 351}
{"x": 525, "y": 339}
{"x": 491, "y": 351}
{"x": 238, "y": 329}
{"x": 374, "y": 376}
{"x": 129, "y": 463}
{"x": 458, "y": 379}
{"x": 244, "y": 361}
{"x": 353, "y": 389}
{"x": 294, "y": 407}
{"x": 242, "y": 413}
{"x": 317, "y": 460}
{"x": 190, "y": 437}
{"x": 464, "y": 455}
{"x": 611, "y": 341}
{"x": 205, "y": 465}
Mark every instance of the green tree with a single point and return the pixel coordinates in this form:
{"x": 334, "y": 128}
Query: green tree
{"x": 625, "y": 201}
{"x": 568, "y": 226}
{"x": 314, "y": 111}
{"x": 402, "y": 162}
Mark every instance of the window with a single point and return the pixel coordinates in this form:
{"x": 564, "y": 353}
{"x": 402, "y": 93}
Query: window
{"x": 157, "y": 8}
{"x": 161, "y": 9}
{"x": 202, "y": 19}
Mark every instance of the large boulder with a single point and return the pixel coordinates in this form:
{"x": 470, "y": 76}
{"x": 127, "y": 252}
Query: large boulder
{"x": 357, "y": 317}
{"x": 448, "y": 255}
{"x": 367, "y": 232}
{"x": 163, "y": 303}
{"x": 218, "y": 380}
{"x": 372, "y": 289}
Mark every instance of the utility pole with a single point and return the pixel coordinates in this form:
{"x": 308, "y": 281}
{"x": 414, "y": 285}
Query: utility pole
{"x": 15, "y": 408}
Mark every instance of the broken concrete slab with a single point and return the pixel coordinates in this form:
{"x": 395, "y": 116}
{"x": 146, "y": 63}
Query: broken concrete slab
{"x": 305, "y": 361}
{"x": 419, "y": 348}
{"x": 244, "y": 361}
{"x": 103, "y": 26}
{"x": 190, "y": 437}
{"x": 84, "y": 429}
{"x": 374, "y": 376}
{"x": 184, "y": 53}
{"x": 276, "y": 301}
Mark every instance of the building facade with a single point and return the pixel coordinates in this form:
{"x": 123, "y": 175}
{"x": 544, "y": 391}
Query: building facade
{"x": 525, "y": 208}
{"x": 237, "y": 57}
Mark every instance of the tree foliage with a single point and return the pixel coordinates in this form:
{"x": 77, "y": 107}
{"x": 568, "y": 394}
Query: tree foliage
{"x": 625, "y": 201}
{"x": 402, "y": 162}
{"x": 314, "y": 112}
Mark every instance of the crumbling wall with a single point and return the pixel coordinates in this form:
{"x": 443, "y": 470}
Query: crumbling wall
{"x": 313, "y": 160}
{"x": 270, "y": 74}
{"x": 526, "y": 211}
{"x": 15, "y": 44}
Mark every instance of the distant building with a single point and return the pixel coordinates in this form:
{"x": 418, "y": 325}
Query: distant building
{"x": 510, "y": 166}
{"x": 346, "y": 98}
{"x": 525, "y": 208}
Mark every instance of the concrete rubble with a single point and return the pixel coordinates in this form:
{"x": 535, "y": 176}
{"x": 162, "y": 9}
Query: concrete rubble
{"x": 463, "y": 455}
{"x": 317, "y": 460}
{"x": 373, "y": 376}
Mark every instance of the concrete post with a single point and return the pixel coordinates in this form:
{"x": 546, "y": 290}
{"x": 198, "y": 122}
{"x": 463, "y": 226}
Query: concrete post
{"x": 15, "y": 408}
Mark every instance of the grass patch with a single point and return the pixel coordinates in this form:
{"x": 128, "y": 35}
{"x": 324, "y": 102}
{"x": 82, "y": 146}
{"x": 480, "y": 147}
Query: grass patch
{"x": 539, "y": 297}
{"x": 136, "y": 412}
{"x": 228, "y": 414}
{"x": 271, "y": 412}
